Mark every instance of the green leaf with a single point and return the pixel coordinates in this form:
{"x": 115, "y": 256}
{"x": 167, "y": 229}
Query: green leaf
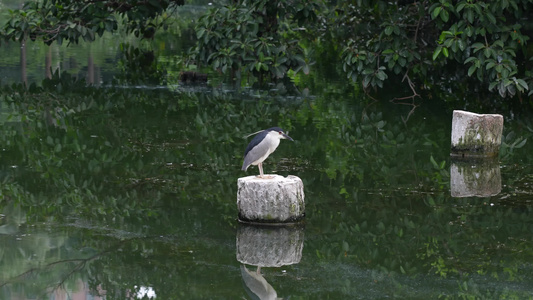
{"x": 200, "y": 33}
{"x": 471, "y": 58}
{"x": 522, "y": 83}
{"x": 477, "y": 46}
{"x": 443, "y": 36}
{"x": 433, "y": 162}
{"x": 444, "y": 15}
{"x": 491, "y": 17}
{"x": 471, "y": 70}
{"x": 487, "y": 52}
{"x": 521, "y": 144}
{"x": 445, "y": 51}
{"x": 470, "y": 16}
{"x": 461, "y": 45}
{"x": 436, "y": 12}
{"x": 381, "y": 75}
{"x": 366, "y": 81}
{"x": 437, "y": 52}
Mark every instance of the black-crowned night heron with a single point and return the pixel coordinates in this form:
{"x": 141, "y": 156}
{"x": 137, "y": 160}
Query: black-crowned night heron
{"x": 262, "y": 145}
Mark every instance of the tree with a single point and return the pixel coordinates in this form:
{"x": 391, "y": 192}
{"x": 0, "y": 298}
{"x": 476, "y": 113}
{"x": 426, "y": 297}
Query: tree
{"x": 58, "y": 20}
{"x": 485, "y": 40}
{"x": 419, "y": 42}
{"x": 260, "y": 38}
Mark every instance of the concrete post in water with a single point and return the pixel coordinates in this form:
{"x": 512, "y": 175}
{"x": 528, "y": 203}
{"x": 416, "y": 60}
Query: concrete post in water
{"x": 476, "y": 135}
{"x": 270, "y": 201}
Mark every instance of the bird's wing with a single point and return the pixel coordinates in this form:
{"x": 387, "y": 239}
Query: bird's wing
{"x": 254, "y": 153}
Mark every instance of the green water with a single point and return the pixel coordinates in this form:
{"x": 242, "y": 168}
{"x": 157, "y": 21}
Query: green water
{"x": 141, "y": 196}
{"x": 130, "y": 192}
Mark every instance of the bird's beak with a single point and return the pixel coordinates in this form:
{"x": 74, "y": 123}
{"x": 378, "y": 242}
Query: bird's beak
{"x": 287, "y": 137}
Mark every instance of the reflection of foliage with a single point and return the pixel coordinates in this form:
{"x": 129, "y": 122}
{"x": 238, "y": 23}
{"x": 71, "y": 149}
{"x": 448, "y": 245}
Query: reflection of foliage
{"x": 138, "y": 67}
{"x": 511, "y": 142}
{"x": 139, "y": 163}
{"x": 391, "y": 183}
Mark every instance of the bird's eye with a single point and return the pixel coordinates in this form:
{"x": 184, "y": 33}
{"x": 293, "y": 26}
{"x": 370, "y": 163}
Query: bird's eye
{"x": 280, "y": 132}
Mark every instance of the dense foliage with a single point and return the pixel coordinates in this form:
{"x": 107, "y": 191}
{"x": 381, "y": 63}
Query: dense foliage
{"x": 428, "y": 45}
{"x": 70, "y": 20}
{"x": 420, "y": 43}
{"x": 439, "y": 39}
{"x": 257, "y": 37}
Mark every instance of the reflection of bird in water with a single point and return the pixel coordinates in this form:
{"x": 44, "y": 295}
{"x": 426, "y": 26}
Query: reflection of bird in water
{"x": 262, "y": 145}
{"x": 256, "y": 285}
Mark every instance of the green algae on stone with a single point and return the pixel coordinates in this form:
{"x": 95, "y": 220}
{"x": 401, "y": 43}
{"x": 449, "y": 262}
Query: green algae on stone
{"x": 476, "y": 134}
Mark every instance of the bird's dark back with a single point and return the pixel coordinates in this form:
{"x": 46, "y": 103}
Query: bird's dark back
{"x": 256, "y": 140}
{"x": 259, "y": 137}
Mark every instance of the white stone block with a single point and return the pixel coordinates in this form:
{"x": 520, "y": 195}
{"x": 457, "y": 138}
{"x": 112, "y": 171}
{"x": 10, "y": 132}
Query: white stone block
{"x": 475, "y": 134}
{"x": 276, "y": 200}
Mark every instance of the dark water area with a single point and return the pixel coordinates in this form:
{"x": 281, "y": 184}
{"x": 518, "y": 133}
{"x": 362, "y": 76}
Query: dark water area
{"x": 130, "y": 192}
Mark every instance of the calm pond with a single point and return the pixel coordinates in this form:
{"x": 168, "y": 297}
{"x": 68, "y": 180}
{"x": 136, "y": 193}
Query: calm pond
{"x": 129, "y": 192}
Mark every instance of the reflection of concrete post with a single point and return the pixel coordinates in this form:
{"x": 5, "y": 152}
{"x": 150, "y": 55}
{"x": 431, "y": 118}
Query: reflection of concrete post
{"x": 276, "y": 200}
{"x": 90, "y": 70}
{"x": 269, "y": 246}
{"x": 476, "y": 135}
{"x": 263, "y": 246}
{"x": 24, "y": 77}
{"x": 48, "y": 63}
{"x": 475, "y": 177}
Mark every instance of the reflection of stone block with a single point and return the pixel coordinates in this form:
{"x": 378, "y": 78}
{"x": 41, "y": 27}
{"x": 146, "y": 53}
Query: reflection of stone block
{"x": 475, "y": 177}
{"x": 476, "y": 135}
{"x": 276, "y": 200}
{"x": 269, "y": 246}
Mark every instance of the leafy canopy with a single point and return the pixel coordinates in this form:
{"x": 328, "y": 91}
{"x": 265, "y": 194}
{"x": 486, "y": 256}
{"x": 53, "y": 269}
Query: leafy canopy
{"x": 415, "y": 39}
{"x": 419, "y": 42}
{"x": 58, "y": 20}
{"x": 426, "y": 44}
{"x": 258, "y": 37}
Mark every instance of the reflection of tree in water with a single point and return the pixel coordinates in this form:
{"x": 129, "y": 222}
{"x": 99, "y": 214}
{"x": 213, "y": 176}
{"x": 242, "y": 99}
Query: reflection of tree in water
{"x": 54, "y": 276}
{"x": 126, "y": 158}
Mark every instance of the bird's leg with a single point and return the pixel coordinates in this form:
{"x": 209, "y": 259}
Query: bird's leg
{"x": 261, "y": 175}
{"x": 260, "y": 165}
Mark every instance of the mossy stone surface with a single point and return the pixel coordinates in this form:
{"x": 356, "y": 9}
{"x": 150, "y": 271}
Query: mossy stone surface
{"x": 270, "y": 201}
{"x": 476, "y": 135}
